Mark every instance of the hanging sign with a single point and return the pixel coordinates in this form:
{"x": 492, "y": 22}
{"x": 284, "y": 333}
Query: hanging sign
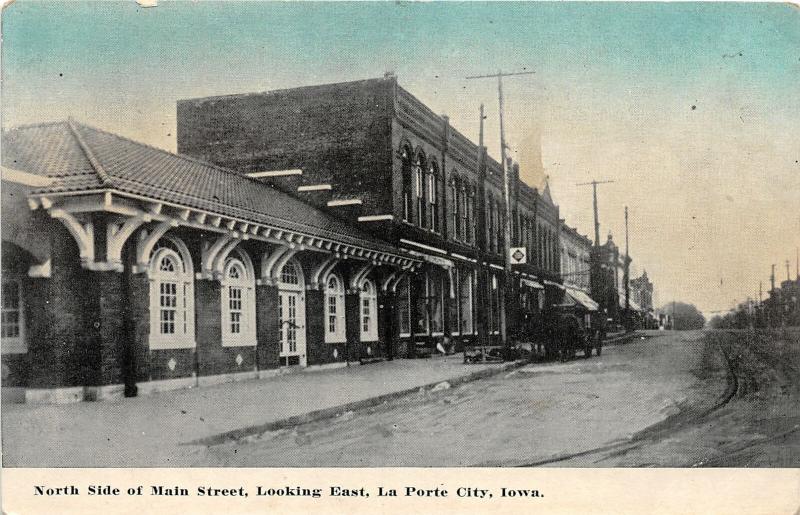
{"x": 518, "y": 255}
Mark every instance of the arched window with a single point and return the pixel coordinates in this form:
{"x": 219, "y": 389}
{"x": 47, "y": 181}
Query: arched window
{"x": 238, "y": 302}
{"x": 491, "y": 234}
{"x": 171, "y": 296}
{"x": 454, "y": 187}
{"x": 419, "y": 174}
{"x": 334, "y": 309}
{"x": 405, "y": 168}
{"x": 464, "y": 211}
{"x": 500, "y": 229}
{"x": 433, "y": 197}
{"x": 369, "y": 311}
{"x": 471, "y": 236}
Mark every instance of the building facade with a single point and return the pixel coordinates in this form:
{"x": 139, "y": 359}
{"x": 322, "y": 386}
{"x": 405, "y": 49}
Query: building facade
{"x": 308, "y": 227}
{"x": 129, "y": 269}
{"x": 576, "y": 250}
{"x": 370, "y": 153}
{"x": 608, "y": 276}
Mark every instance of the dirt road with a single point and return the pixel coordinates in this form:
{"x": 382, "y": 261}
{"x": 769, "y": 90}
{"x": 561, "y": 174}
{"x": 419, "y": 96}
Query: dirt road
{"x": 755, "y": 424}
{"x": 639, "y": 404}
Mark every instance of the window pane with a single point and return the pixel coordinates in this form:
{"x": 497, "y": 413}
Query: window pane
{"x": 168, "y": 302}
{"x": 420, "y": 304}
{"x": 235, "y": 308}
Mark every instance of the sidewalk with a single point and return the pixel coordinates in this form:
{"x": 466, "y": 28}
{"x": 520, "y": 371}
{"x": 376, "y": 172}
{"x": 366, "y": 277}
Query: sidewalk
{"x": 152, "y": 431}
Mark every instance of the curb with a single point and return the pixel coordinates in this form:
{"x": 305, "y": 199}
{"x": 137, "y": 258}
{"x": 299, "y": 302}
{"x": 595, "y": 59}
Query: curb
{"x": 325, "y": 413}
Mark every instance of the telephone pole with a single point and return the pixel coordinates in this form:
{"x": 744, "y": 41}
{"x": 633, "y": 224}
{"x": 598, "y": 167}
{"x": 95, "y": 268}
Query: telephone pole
{"x": 480, "y": 241}
{"x": 596, "y": 220}
{"x": 627, "y": 275}
{"x": 503, "y": 147}
{"x": 506, "y": 191}
{"x": 772, "y": 281}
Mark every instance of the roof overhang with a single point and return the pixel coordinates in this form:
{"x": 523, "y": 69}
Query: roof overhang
{"x": 127, "y": 205}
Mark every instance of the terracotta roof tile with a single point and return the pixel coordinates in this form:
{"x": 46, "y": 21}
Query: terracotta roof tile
{"x": 53, "y": 150}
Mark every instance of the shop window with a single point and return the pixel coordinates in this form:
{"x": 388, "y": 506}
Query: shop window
{"x": 465, "y": 302}
{"x": 436, "y": 299}
{"x": 420, "y": 288}
{"x": 334, "y": 310}
{"x": 171, "y": 296}
{"x": 453, "y": 306}
{"x": 13, "y": 319}
{"x": 238, "y": 303}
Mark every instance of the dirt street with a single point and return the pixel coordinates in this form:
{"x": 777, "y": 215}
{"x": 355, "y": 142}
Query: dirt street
{"x": 669, "y": 400}
{"x": 755, "y": 424}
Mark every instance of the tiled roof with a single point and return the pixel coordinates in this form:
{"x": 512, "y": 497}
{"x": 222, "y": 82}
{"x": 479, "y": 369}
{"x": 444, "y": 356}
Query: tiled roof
{"x": 82, "y": 158}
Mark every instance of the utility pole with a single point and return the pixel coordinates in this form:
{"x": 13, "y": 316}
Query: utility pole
{"x": 503, "y": 147}
{"x": 760, "y": 286}
{"x": 627, "y": 275}
{"x": 596, "y": 220}
{"x": 788, "y": 278}
{"x": 480, "y": 237}
{"x": 772, "y": 281}
{"x": 480, "y": 134}
{"x": 771, "y": 295}
{"x": 506, "y": 192}
{"x": 673, "y": 315}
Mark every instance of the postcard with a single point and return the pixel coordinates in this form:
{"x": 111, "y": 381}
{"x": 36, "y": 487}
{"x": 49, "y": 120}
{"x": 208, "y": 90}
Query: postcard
{"x": 385, "y": 257}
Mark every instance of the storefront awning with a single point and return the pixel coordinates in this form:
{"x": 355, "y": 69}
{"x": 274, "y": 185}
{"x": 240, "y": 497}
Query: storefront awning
{"x": 531, "y": 283}
{"x": 583, "y": 299}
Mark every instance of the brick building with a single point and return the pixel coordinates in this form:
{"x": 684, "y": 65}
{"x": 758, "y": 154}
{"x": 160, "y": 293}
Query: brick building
{"x": 575, "y": 252}
{"x": 127, "y": 268}
{"x": 337, "y": 223}
{"x": 370, "y": 153}
{"x": 641, "y": 289}
{"x": 608, "y": 277}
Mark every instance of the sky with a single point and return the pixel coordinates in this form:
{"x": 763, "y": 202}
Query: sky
{"x": 693, "y": 110}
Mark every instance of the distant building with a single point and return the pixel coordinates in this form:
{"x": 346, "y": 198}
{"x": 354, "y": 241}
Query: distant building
{"x": 576, "y": 250}
{"x": 641, "y": 291}
{"x": 608, "y": 279}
